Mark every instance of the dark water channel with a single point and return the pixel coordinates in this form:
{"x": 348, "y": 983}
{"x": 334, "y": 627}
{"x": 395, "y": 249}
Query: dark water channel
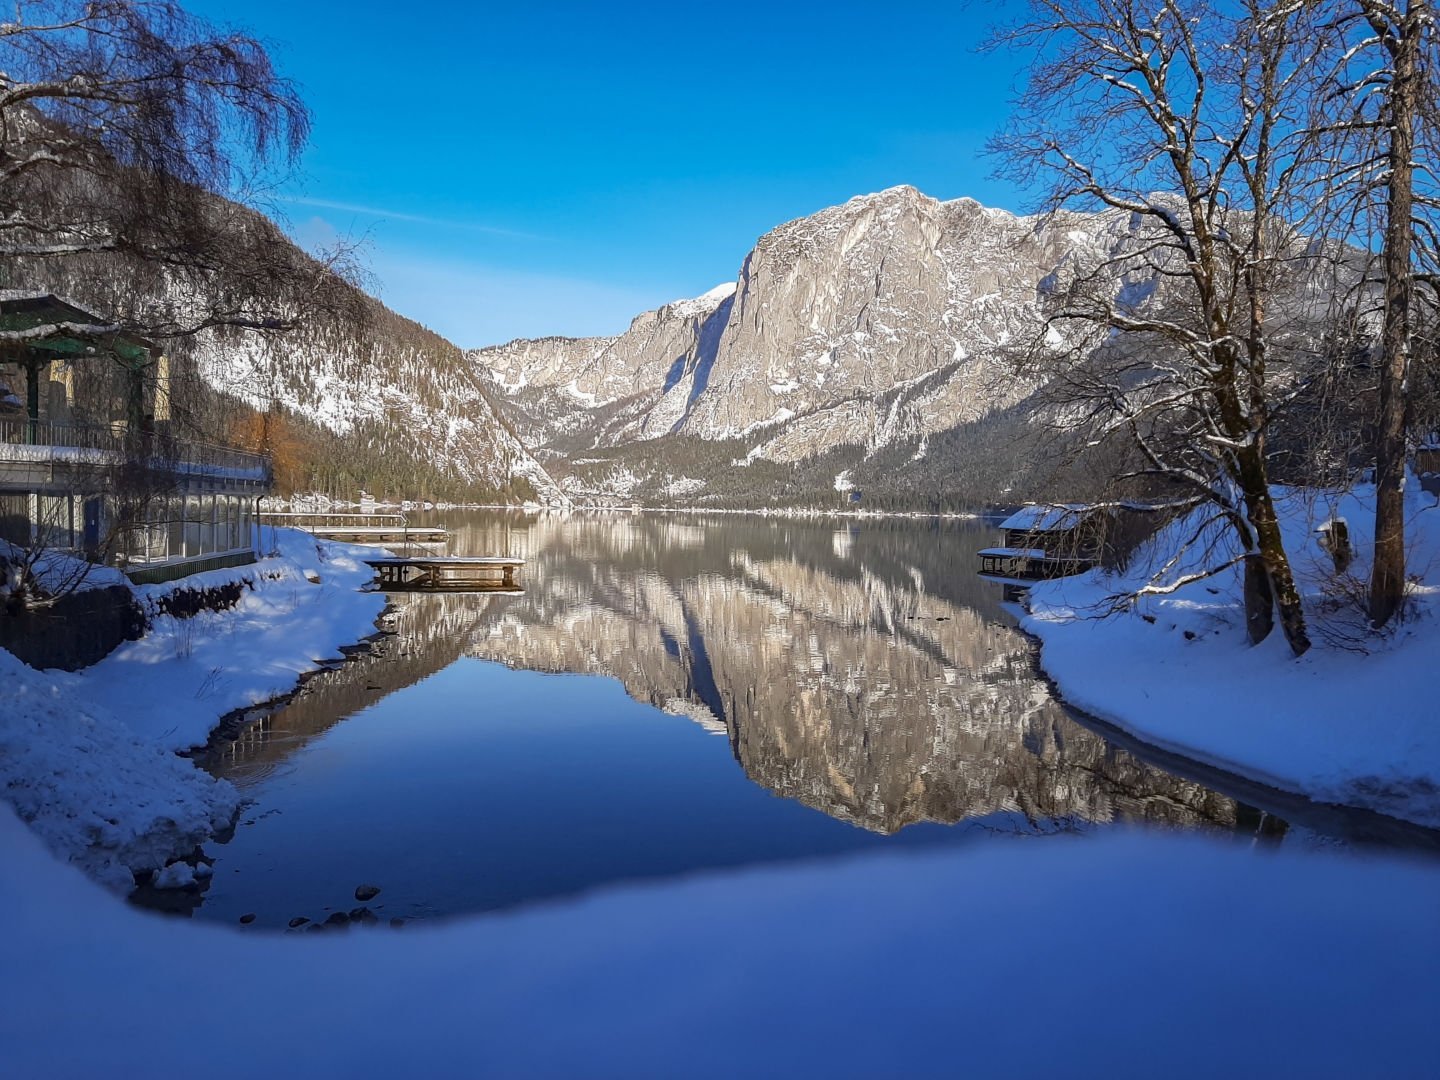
{"x": 675, "y": 694}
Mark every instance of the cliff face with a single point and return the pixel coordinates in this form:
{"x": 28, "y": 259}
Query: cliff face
{"x": 866, "y": 329}
{"x": 834, "y": 311}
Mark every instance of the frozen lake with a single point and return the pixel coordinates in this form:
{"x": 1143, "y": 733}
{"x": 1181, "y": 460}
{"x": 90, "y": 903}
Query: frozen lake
{"x": 676, "y": 694}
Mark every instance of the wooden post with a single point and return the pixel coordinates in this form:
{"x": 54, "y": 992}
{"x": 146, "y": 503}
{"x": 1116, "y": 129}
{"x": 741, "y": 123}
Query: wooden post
{"x": 32, "y": 397}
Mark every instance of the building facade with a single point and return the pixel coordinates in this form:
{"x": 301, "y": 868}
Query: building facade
{"x": 90, "y": 463}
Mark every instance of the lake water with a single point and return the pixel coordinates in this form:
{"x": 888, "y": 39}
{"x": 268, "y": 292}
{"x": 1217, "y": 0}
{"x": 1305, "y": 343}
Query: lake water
{"x": 672, "y": 695}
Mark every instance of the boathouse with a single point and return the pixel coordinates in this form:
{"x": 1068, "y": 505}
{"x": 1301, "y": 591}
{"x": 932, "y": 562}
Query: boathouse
{"x": 1048, "y": 540}
{"x": 91, "y": 461}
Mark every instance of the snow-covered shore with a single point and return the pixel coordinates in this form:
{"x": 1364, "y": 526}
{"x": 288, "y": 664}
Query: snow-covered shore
{"x": 1351, "y": 722}
{"x": 88, "y": 759}
{"x": 1127, "y": 954}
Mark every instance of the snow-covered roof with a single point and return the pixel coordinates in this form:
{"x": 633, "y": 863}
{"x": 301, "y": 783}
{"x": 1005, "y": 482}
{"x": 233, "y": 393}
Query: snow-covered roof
{"x": 1013, "y": 552}
{"x": 1047, "y": 517}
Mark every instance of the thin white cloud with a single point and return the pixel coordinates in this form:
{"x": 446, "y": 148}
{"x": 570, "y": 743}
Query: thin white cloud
{"x": 398, "y": 215}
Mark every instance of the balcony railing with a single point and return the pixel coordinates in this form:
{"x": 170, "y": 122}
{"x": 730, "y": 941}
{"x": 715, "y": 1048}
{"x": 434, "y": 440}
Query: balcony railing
{"x": 155, "y": 449}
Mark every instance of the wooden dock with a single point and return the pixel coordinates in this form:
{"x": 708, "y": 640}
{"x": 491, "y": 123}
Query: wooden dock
{"x": 381, "y": 530}
{"x": 378, "y": 534}
{"x": 453, "y": 573}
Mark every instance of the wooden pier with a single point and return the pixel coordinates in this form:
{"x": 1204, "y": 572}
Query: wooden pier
{"x": 378, "y": 534}
{"x": 453, "y": 573}
{"x": 381, "y": 530}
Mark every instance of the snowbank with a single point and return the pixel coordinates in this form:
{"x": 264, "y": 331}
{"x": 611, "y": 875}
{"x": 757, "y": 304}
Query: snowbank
{"x": 173, "y": 684}
{"x": 87, "y": 758}
{"x": 98, "y": 794}
{"x": 1124, "y": 954}
{"x": 55, "y": 571}
{"x": 1350, "y": 722}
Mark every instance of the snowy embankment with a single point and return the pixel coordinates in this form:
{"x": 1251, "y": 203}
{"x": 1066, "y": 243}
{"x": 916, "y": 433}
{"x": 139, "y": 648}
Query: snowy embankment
{"x": 1350, "y": 722}
{"x": 1115, "y": 955}
{"x": 87, "y": 758}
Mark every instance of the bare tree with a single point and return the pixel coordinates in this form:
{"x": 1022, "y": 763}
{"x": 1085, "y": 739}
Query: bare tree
{"x": 1376, "y": 124}
{"x": 135, "y": 142}
{"x": 133, "y": 139}
{"x": 1180, "y": 119}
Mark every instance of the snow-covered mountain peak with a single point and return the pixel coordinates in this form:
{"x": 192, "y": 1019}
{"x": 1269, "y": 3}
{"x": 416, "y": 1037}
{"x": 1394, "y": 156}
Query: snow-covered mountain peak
{"x": 700, "y": 306}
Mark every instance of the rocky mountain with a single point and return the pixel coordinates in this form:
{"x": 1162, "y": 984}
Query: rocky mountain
{"x": 863, "y": 330}
{"x": 868, "y": 347}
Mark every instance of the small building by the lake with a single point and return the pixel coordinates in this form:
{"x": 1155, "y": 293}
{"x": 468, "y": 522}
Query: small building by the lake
{"x": 92, "y": 460}
{"x": 1048, "y": 540}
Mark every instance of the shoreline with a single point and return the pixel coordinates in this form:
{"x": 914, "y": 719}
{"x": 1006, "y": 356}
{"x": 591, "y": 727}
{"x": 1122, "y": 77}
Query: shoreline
{"x": 232, "y": 724}
{"x": 346, "y": 507}
{"x": 1343, "y": 726}
{"x": 283, "y": 634}
{"x": 1356, "y": 824}
{"x": 98, "y": 762}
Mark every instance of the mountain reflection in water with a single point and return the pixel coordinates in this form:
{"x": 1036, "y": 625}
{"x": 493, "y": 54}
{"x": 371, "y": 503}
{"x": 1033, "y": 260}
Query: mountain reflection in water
{"x": 860, "y": 669}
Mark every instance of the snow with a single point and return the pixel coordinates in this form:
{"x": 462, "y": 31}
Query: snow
{"x": 87, "y": 758}
{"x": 683, "y": 485}
{"x": 703, "y": 304}
{"x": 1045, "y": 517}
{"x": 1101, "y": 954}
{"x": 1350, "y": 722}
{"x": 216, "y": 662}
{"x": 99, "y": 795}
{"x": 1105, "y": 956}
{"x": 56, "y": 571}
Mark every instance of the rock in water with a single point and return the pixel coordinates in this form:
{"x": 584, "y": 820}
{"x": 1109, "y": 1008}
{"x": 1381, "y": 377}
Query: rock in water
{"x": 364, "y": 893}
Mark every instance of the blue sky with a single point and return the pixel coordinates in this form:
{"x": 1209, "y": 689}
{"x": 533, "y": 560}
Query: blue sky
{"x": 524, "y": 169}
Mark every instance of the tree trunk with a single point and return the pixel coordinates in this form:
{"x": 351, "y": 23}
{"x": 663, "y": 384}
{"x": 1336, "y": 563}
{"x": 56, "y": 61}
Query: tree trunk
{"x": 1270, "y": 549}
{"x": 1387, "y": 578}
{"x": 1259, "y": 599}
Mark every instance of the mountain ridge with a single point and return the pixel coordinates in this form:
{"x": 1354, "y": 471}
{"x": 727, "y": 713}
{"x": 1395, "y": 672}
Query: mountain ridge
{"x": 877, "y": 323}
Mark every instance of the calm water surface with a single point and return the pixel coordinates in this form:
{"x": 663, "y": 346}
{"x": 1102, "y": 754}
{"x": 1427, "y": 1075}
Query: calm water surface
{"x": 676, "y": 694}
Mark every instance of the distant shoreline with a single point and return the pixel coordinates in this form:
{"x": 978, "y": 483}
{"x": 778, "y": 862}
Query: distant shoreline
{"x": 423, "y": 506}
